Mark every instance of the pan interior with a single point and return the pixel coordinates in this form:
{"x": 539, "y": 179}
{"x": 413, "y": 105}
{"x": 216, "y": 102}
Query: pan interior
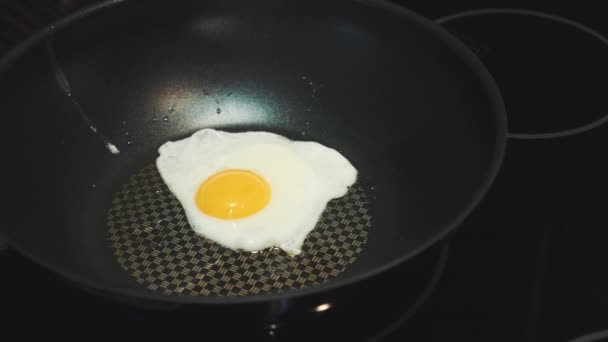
{"x": 412, "y": 110}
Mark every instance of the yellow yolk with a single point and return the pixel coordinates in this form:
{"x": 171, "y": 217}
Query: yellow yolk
{"x": 233, "y": 194}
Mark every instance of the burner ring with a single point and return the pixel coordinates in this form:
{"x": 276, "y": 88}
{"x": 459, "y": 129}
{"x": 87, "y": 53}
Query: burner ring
{"x": 551, "y": 17}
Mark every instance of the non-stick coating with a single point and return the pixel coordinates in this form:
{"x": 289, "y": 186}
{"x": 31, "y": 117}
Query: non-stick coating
{"x": 407, "y": 104}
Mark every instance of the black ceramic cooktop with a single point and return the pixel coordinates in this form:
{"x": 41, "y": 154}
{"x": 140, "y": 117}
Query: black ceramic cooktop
{"x": 530, "y": 264}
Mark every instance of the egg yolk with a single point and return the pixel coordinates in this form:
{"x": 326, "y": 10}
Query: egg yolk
{"x": 233, "y": 194}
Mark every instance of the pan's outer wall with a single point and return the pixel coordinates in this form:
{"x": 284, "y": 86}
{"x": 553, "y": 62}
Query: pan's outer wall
{"x": 405, "y": 102}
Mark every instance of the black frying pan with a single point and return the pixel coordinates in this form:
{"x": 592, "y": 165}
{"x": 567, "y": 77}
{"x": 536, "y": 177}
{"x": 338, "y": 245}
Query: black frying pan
{"x": 413, "y": 110}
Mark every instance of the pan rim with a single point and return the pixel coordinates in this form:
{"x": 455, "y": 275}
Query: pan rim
{"x": 468, "y": 57}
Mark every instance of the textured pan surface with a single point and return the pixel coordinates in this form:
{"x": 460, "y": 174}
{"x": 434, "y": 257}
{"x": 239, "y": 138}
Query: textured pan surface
{"x": 155, "y": 244}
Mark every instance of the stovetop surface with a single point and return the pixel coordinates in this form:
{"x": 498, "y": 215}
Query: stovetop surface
{"x": 530, "y": 263}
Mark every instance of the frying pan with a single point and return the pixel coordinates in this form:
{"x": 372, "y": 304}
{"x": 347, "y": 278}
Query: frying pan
{"x": 88, "y": 101}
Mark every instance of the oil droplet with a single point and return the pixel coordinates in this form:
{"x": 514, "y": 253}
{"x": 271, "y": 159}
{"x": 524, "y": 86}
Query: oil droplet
{"x": 219, "y": 111}
{"x": 129, "y": 142}
{"x": 112, "y": 148}
{"x": 94, "y": 186}
{"x": 311, "y": 83}
{"x": 272, "y": 329}
{"x": 166, "y": 119}
{"x": 307, "y": 124}
{"x": 304, "y": 77}
{"x": 158, "y": 192}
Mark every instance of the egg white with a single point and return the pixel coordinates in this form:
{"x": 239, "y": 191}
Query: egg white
{"x": 303, "y": 177}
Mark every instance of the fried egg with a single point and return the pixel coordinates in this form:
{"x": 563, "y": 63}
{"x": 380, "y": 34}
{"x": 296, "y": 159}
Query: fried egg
{"x": 253, "y": 190}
